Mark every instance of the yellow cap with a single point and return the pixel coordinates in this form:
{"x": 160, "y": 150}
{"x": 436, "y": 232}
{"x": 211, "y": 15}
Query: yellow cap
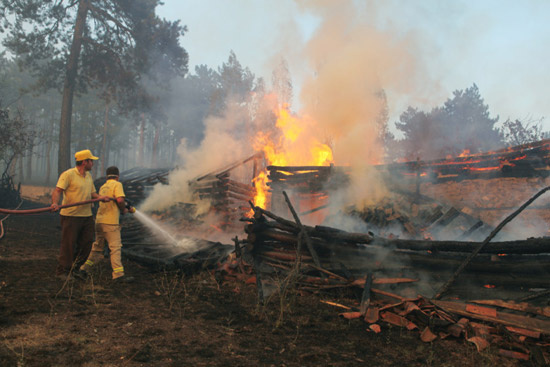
{"x": 84, "y": 154}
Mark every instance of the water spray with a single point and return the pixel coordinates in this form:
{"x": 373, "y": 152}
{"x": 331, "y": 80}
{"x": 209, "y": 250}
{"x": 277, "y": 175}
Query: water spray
{"x": 188, "y": 244}
{"x": 154, "y": 226}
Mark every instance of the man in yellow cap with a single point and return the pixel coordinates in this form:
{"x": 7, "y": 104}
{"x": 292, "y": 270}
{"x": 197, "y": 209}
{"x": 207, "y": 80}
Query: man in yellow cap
{"x": 77, "y": 223}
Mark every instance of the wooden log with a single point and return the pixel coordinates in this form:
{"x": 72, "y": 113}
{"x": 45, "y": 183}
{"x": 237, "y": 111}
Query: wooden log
{"x": 529, "y": 246}
{"x": 298, "y": 178}
{"x": 447, "y": 218}
{"x": 278, "y": 219}
{"x": 303, "y": 232}
{"x": 363, "y": 257}
{"x": 224, "y": 171}
{"x": 294, "y": 169}
{"x": 365, "y": 298}
{"x": 329, "y": 273}
{"x": 320, "y": 207}
{"x": 239, "y": 187}
{"x": 471, "y": 230}
{"x": 523, "y": 306}
{"x": 535, "y": 295}
{"x": 336, "y": 234}
{"x": 283, "y": 256}
{"x": 490, "y": 237}
{"x": 238, "y": 196}
{"x": 460, "y": 308}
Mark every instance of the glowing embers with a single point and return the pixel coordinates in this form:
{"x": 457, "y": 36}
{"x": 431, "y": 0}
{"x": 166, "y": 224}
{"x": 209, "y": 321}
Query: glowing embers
{"x": 518, "y": 161}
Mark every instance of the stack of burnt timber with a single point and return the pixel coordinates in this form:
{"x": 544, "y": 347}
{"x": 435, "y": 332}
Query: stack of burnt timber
{"x": 386, "y": 276}
{"x": 187, "y": 254}
{"x": 227, "y": 195}
{"x": 138, "y": 182}
{"x": 332, "y": 258}
{"x": 228, "y": 198}
{"x": 147, "y": 248}
{"x": 162, "y": 252}
{"x": 525, "y": 160}
{"x": 310, "y": 183}
{"x": 513, "y": 330}
{"x": 413, "y": 216}
{"x": 307, "y": 178}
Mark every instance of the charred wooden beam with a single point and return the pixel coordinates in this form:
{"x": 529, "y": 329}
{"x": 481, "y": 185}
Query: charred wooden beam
{"x": 492, "y": 315}
{"x": 529, "y": 246}
{"x": 489, "y": 238}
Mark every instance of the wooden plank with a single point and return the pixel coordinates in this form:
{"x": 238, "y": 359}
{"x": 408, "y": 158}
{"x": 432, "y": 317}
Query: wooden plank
{"x": 522, "y": 306}
{"x": 460, "y": 308}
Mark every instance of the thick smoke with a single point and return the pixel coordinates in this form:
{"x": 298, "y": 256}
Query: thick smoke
{"x": 225, "y": 141}
{"x": 352, "y": 66}
{"x": 349, "y": 66}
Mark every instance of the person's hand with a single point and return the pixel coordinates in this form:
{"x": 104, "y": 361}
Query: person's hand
{"x": 105, "y": 199}
{"x": 54, "y": 208}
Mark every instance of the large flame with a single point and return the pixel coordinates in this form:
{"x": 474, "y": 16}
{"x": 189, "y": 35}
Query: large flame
{"x": 293, "y": 144}
{"x": 260, "y": 183}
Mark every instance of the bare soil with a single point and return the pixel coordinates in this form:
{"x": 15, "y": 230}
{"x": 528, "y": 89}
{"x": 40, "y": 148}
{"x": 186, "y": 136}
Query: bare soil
{"x": 170, "y": 319}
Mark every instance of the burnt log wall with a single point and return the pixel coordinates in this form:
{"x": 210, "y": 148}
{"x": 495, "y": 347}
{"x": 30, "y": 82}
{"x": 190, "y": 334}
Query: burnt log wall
{"x": 491, "y": 200}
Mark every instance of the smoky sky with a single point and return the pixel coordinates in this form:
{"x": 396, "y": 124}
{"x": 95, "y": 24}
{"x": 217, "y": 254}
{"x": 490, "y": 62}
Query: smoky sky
{"x": 499, "y": 45}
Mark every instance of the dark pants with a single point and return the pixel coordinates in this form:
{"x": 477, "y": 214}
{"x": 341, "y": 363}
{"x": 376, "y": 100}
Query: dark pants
{"x": 77, "y": 236}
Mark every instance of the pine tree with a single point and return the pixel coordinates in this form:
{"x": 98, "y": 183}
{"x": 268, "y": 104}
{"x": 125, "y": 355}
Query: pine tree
{"x": 104, "y": 44}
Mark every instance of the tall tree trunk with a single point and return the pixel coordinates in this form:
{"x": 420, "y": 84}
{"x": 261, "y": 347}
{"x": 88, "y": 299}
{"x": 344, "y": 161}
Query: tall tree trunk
{"x": 20, "y": 161}
{"x": 104, "y": 143}
{"x": 28, "y": 175}
{"x": 13, "y": 166}
{"x": 141, "y": 141}
{"x": 64, "y": 155}
{"x": 108, "y": 150}
{"x": 49, "y": 149}
{"x": 154, "y": 159}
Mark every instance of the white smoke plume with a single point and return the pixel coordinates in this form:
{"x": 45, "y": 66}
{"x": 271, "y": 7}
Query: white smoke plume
{"x": 226, "y": 141}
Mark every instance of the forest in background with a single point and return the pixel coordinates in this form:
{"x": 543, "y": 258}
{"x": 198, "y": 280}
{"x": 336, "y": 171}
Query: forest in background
{"x": 135, "y": 100}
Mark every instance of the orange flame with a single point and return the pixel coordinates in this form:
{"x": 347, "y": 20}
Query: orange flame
{"x": 293, "y": 144}
{"x": 260, "y": 182}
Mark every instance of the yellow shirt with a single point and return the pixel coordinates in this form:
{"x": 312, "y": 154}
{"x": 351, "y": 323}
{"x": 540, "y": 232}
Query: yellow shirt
{"x": 76, "y": 188}
{"x": 108, "y": 213}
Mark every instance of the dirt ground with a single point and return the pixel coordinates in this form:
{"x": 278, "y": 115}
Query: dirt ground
{"x": 169, "y": 319}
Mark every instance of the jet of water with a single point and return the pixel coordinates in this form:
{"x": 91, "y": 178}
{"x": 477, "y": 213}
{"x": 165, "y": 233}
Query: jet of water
{"x": 154, "y": 226}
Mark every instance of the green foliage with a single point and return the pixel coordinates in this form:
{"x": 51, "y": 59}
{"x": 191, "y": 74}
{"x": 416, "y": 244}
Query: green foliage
{"x": 517, "y": 132}
{"x": 106, "y": 45}
{"x": 190, "y": 102}
{"x": 462, "y": 123}
{"x": 122, "y": 41}
{"x": 16, "y": 135}
{"x": 209, "y": 92}
{"x": 234, "y": 84}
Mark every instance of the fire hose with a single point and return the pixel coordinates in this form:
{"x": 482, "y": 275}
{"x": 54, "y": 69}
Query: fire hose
{"x": 47, "y": 209}
{"x": 38, "y": 210}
